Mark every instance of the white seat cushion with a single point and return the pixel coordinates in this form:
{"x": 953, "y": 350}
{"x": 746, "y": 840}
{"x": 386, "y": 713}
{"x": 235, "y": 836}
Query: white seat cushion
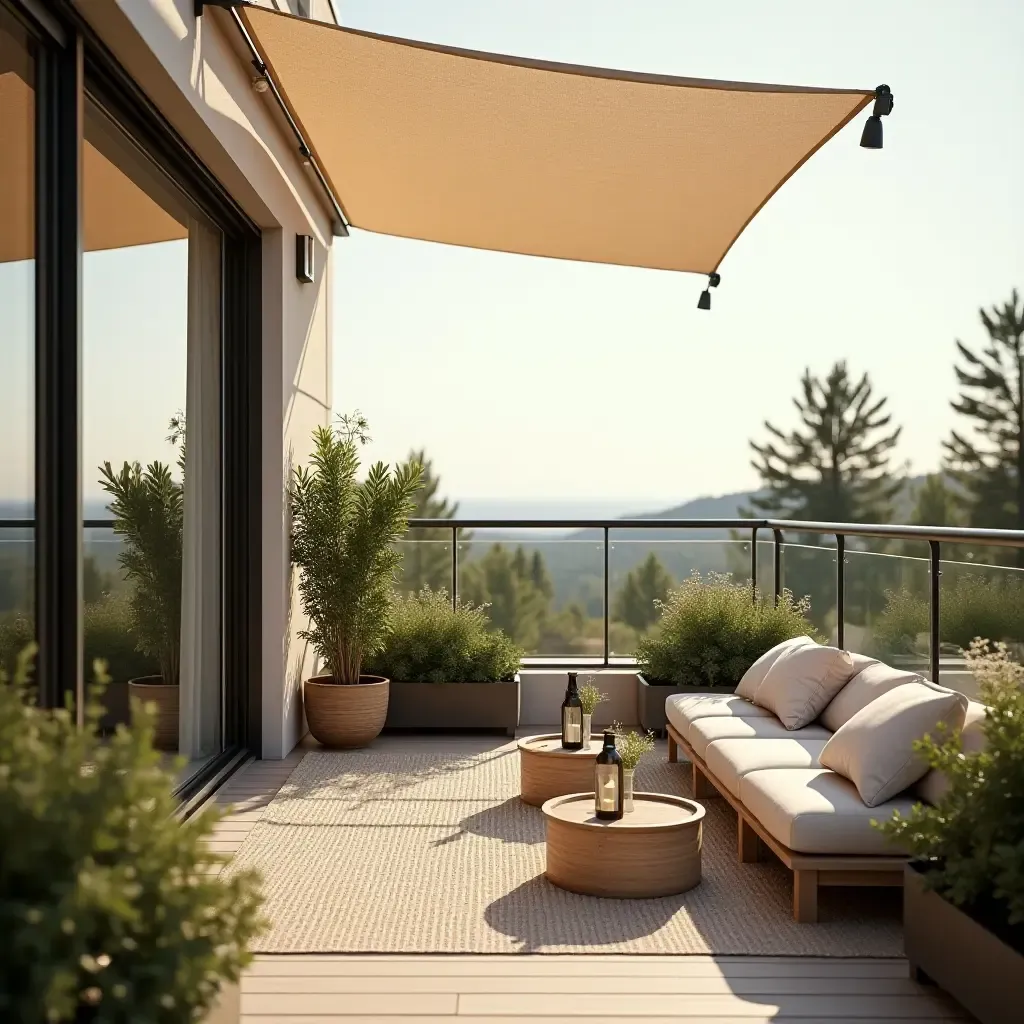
{"x": 706, "y": 730}
{"x": 683, "y": 708}
{"x": 730, "y": 760}
{"x": 814, "y": 810}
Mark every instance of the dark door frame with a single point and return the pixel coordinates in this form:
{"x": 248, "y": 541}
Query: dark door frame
{"x": 72, "y": 63}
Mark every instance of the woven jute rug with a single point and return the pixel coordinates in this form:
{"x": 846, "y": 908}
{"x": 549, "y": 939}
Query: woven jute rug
{"x": 404, "y": 848}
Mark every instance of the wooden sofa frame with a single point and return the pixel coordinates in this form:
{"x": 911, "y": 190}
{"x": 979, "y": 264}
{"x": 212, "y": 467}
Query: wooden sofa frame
{"x": 810, "y": 871}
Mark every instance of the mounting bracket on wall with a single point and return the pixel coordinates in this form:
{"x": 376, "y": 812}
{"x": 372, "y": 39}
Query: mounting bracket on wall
{"x": 224, "y": 5}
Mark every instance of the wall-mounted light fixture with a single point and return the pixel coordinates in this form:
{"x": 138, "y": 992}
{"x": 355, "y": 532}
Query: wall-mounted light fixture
{"x": 304, "y": 258}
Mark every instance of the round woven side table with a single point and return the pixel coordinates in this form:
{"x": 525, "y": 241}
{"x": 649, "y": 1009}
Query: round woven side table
{"x": 653, "y": 851}
{"x": 546, "y": 770}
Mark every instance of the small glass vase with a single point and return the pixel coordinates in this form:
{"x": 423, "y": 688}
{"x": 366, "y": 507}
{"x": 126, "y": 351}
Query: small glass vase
{"x": 627, "y": 790}
{"x": 586, "y": 730}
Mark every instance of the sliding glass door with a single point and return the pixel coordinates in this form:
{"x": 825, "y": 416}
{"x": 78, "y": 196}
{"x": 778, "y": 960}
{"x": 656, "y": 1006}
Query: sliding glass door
{"x": 129, "y": 400}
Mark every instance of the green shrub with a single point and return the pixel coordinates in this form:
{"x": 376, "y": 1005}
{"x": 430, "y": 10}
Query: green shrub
{"x": 107, "y": 913}
{"x": 970, "y": 605}
{"x": 972, "y": 841}
{"x": 108, "y": 635}
{"x": 711, "y": 631}
{"x": 904, "y": 617}
{"x": 432, "y": 642}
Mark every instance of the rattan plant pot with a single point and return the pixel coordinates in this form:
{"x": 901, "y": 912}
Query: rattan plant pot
{"x": 346, "y": 714}
{"x": 153, "y": 690}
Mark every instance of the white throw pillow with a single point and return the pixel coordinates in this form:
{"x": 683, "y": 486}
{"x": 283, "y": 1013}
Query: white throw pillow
{"x": 875, "y": 748}
{"x": 870, "y": 682}
{"x": 754, "y": 675}
{"x": 802, "y": 681}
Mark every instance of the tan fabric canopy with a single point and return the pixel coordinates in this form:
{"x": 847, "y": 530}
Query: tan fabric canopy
{"x": 115, "y": 211}
{"x": 547, "y": 159}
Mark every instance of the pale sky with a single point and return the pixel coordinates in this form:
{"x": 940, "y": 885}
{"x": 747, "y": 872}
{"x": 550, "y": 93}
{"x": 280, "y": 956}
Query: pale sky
{"x": 533, "y": 379}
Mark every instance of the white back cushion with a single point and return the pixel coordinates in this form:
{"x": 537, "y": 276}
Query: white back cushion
{"x": 802, "y": 681}
{"x": 754, "y": 675}
{"x": 875, "y": 748}
{"x": 871, "y": 682}
{"x": 933, "y": 786}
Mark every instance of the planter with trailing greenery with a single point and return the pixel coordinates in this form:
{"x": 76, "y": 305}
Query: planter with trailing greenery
{"x": 108, "y": 912}
{"x": 964, "y": 892}
{"x": 148, "y": 506}
{"x": 711, "y": 629}
{"x": 343, "y": 542}
{"x": 448, "y": 668}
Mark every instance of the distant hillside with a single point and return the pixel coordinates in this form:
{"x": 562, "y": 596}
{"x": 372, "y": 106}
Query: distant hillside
{"x": 575, "y": 562}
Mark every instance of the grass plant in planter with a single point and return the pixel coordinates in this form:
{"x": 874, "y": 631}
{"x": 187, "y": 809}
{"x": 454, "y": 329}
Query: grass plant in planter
{"x": 964, "y": 892}
{"x": 448, "y": 668}
{"x": 149, "y": 510}
{"x": 343, "y": 537}
{"x": 710, "y": 631}
{"x": 108, "y": 911}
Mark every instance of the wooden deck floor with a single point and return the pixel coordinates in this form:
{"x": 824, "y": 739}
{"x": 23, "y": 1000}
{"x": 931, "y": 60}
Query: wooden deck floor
{"x": 532, "y": 989}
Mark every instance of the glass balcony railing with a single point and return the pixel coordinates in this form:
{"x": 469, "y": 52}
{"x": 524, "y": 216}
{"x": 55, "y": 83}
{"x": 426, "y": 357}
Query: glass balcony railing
{"x": 584, "y": 591}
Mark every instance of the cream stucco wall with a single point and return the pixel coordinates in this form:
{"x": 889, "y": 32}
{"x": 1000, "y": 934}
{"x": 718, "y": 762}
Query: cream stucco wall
{"x": 198, "y": 75}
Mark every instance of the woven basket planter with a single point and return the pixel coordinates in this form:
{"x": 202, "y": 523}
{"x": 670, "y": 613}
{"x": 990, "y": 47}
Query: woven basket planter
{"x": 346, "y": 714}
{"x": 153, "y": 690}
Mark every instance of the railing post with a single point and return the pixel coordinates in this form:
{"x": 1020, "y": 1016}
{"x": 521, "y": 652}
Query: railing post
{"x": 933, "y": 606}
{"x": 606, "y": 612}
{"x": 455, "y": 566}
{"x": 840, "y": 589}
{"x": 753, "y": 564}
{"x": 777, "y": 582}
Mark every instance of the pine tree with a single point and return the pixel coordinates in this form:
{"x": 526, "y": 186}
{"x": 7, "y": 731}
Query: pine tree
{"x": 987, "y": 461}
{"x": 935, "y": 503}
{"x": 427, "y": 554}
{"x": 540, "y": 576}
{"x": 502, "y": 581}
{"x": 647, "y": 583}
{"x": 835, "y": 467}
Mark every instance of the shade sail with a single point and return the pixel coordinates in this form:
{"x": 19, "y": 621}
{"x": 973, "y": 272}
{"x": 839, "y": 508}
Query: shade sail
{"x": 115, "y": 211}
{"x": 547, "y": 159}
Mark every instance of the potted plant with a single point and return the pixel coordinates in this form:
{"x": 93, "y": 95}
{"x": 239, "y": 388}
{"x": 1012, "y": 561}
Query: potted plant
{"x": 964, "y": 891}
{"x": 149, "y": 513}
{"x": 343, "y": 541}
{"x": 631, "y": 746}
{"x": 710, "y": 631}
{"x": 449, "y": 669}
{"x": 108, "y": 909}
{"x": 590, "y": 697}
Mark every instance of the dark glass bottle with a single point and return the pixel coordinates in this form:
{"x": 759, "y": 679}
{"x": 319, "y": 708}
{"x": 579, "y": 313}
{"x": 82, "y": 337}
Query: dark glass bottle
{"x": 572, "y": 717}
{"x": 608, "y": 781}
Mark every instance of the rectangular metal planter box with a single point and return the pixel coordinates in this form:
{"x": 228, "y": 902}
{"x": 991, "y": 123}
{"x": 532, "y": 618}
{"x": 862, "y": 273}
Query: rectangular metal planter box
{"x": 962, "y": 957}
{"x": 650, "y": 701}
{"x": 454, "y": 706}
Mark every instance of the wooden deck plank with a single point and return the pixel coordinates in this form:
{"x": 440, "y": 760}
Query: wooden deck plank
{"x": 348, "y": 1005}
{"x": 643, "y": 1004}
{"x": 619, "y": 984}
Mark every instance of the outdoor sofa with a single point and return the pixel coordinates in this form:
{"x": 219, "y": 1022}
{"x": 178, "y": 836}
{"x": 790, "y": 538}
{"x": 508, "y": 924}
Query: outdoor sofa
{"x": 814, "y": 745}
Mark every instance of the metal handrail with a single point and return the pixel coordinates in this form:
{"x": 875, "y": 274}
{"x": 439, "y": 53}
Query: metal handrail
{"x": 934, "y": 536}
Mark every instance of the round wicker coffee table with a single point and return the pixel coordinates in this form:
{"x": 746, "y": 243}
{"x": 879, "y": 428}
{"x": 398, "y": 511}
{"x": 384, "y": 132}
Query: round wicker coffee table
{"x": 546, "y": 770}
{"x": 653, "y": 851}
